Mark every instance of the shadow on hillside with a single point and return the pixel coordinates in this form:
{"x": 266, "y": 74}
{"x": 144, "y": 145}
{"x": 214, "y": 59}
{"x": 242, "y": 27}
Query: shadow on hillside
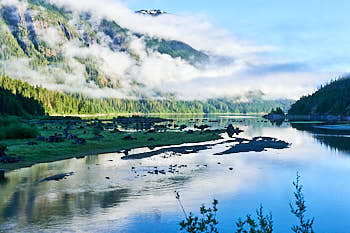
{"x": 18, "y": 105}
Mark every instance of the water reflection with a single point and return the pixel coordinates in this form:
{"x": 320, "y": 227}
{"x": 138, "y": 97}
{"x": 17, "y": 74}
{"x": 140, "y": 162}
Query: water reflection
{"x": 142, "y": 202}
{"x": 338, "y": 140}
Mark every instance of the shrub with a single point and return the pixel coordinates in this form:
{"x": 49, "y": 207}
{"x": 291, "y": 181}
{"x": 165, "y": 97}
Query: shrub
{"x": 12, "y": 128}
{"x": 299, "y": 210}
{"x": 263, "y": 224}
{"x": 19, "y": 131}
{"x": 8, "y": 120}
{"x": 2, "y": 134}
{"x": 206, "y": 223}
{"x": 278, "y": 111}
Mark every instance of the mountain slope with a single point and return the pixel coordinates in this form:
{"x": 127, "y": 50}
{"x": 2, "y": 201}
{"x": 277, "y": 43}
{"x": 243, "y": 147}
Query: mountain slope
{"x": 58, "y": 44}
{"x": 331, "y": 99}
{"x": 20, "y": 98}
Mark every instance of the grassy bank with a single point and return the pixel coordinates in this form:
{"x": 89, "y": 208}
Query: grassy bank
{"x": 106, "y": 142}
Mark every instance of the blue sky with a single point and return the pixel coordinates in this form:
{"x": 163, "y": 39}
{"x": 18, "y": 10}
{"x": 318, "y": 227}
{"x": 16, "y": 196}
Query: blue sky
{"x": 312, "y": 32}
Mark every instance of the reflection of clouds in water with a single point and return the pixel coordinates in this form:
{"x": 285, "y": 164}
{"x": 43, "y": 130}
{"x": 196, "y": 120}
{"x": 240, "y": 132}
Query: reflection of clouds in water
{"x": 88, "y": 187}
{"x": 101, "y": 204}
{"x": 157, "y": 192}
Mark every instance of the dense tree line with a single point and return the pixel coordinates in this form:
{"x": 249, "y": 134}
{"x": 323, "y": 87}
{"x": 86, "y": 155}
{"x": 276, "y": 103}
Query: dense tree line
{"x": 18, "y": 105}
{"x": 330, "y": 99}
{"x": 18, "y": 98}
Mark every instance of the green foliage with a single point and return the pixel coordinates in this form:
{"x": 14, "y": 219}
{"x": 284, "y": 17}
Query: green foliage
{"x": 50, "y": 7}
{"x": 299, "y": 210}
{"x": 93, "y": 73}
{"x": 206, "y": 223}
{"x": 14, "y": 103}
{"x": 8, "y": 120}
{"x": 18, "y": 131}
{"x": 112, "y": 29}
{"x": 115, "y": 32}
{"x": 330, "y": 99}
{"x": 20, "y": 37}
{"x": 277, "y": 111}
{"x": 10, "y": 47}
{"x": 177, "y": 49}
{"x": 263, "y": 224}
{"x": 25, "y": 98}
{"x": 96, "y": 131}
{"x": 13, "y": 128}
{"x": 90, "y": 36}
{"x": 47, "y": 152}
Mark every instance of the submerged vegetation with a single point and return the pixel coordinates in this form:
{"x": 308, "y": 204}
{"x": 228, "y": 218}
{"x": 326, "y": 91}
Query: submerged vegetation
{"x": 207, "y": 221}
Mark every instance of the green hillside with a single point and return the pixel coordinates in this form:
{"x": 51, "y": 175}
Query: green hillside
{"x": 20, "y": 98}
{"x": 331, "y": 99}
{"x": 23, "y": 35}
{"x": 60, "y": 49}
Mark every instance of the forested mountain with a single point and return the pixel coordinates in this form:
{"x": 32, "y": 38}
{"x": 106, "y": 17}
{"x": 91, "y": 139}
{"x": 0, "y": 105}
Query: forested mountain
{"x": 58, "y": 43}
{"x": 20, "y": 98}
{"x": 330, "y": 99}
{"x": 81, "y": 62}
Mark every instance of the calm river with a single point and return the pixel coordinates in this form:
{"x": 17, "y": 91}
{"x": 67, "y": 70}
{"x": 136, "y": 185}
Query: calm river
{"x": 132, "y": 200}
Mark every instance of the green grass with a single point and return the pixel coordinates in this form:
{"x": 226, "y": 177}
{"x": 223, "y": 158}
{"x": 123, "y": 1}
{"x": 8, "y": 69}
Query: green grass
{"x": 48, "y": 152}
{"x": 15, "y": 128}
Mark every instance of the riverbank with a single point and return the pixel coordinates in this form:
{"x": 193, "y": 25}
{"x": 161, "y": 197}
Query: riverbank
{"x": 61, "y": 140}
{"x": 318, "y": 117}
{"x": 276, "y": 117}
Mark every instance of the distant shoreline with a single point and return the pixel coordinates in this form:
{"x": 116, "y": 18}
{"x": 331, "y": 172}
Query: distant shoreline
{"x": 275, "y": 117}
{"x": 153, "y": 114}
{"x": 318, "y": 117}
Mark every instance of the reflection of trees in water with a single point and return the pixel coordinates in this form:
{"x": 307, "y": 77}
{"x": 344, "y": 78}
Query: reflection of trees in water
{"x": 21, "y": 198}
{"x": 215, "y": 121}
{"x": 92, "y": 159}
{"x": 254, "y": 123}
{"x": 277, "y": 123}
{"x": 41, "y": 209}
{"x": 333, "y": 140}
{"x": 34, "y": 204}
{"x": 338, "y": 143}
{"x": 19, "y": 177}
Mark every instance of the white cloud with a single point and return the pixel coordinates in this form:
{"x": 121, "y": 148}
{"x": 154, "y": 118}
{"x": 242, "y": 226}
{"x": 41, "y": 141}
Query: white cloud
{"x": 51, "y": 35}
{"x": 233, "y": 71}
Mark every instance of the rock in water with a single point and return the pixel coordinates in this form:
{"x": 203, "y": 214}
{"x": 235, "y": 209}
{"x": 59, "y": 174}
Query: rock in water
{"x": 57, "y": 177}
{"x": 257, "y": 144}
{"x": 231, "y": 130}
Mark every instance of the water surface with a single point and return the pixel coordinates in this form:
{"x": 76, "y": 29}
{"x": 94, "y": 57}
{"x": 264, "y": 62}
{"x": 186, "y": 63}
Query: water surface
{"x": 132, "y": 200}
